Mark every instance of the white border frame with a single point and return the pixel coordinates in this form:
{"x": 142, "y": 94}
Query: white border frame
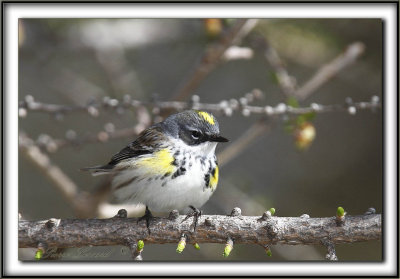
{"x": 13, "y": 11}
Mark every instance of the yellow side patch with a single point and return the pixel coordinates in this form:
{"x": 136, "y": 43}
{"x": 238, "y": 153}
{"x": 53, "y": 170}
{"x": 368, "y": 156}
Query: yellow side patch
{"x": 207, "y": 117}
{"x": 214, "y": 179}
{"x": 159, "y": 163}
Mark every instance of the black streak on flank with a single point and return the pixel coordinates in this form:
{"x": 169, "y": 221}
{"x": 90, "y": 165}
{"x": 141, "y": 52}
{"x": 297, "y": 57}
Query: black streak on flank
{"x": 179, "y": 172}
{"x": 207, "y": 179}
{"x": 125, "y": 183}
{"x": 165, "y": 175}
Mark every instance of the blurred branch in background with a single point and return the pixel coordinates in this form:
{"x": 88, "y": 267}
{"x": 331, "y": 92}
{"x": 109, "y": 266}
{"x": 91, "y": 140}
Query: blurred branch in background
{"x": 287, "y": 85}
{"x": 328, "y": 71}
{"x": 253, "y": 133}
{"x": 83, "y": 203}
{"x": 213, "y": 55}
{"x": 227, "y": 107}
{"x": 59, "y": 179}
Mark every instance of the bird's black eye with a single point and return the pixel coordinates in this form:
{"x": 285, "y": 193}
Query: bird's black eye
{"x": 196, "y": 135}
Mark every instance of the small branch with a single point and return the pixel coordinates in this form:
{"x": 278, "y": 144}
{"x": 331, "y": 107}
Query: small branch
{"x": 240, "y": 144}
{"x": 331, "y": 255}
{"x": 286, "y": 82}
{"x": 210, "y": 229}
{"x": 83, "y": 204}
{"x": 226, "y": 107}
{"x": 93, "y": 107}
{"x": 47, "y": 143}
{"x": 213, "y": 55}
{"x": 331, "y": 69}
{"x": 62, "y": 182}
{"x": 136, "y": 249}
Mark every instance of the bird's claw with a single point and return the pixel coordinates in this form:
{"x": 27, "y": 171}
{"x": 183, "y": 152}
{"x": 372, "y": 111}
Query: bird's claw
{"x": 196, "y": 213}
{"x": 147, "y": 216}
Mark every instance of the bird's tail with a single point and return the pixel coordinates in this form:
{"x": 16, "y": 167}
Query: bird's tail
{"x": 99, "y": 170}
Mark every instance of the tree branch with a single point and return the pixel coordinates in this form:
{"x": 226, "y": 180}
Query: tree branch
{"x": 226, "y": 107}
{"x": 83, "y": 204}
{"x": 210, "y": 229}
{"x": 328, "y": 71}
{"x": 213, "y": 54}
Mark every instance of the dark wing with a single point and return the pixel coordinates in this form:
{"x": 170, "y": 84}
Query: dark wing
{"x": 126, "y": 153}
{"x": 149, "y": 140}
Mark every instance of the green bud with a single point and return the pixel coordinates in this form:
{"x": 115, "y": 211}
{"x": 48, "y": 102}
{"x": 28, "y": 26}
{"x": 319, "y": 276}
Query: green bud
{"x": 39, "y": 254}
{"x": 197, "y": 246}
{"x": 227, "y": 250}
{"x": 340, "y": 211}
{"x": 292, "y": 101}
{"x": 272, "y": 210}
{"x": 269, "y": 252}
{"x": 140, "y": 245}
{"x": 181, "y": 245}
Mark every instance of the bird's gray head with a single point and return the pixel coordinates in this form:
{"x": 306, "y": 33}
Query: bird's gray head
{"x": 193, "y": 127}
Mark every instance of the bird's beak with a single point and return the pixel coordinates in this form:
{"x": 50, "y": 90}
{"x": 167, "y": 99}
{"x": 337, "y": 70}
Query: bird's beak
{"x": 218, "y": 139}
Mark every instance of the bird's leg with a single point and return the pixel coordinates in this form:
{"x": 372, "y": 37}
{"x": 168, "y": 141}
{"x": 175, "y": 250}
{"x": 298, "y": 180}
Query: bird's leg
{"x": 196, "y": 213}
{"x": 147, "y": 216}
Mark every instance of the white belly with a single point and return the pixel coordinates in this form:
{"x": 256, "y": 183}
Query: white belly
{"x": 166, "y": 194}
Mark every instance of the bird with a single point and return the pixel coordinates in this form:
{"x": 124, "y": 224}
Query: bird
{"x": 170, "y": 166}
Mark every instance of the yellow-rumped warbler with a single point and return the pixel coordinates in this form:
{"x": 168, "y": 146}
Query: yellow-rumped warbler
{"x": 171, "y": 165}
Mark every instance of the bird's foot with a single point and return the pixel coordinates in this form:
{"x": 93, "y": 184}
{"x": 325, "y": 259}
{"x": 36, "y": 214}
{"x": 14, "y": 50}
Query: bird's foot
{"x": 196, "y": 213}
{"x": 147, "y": 216}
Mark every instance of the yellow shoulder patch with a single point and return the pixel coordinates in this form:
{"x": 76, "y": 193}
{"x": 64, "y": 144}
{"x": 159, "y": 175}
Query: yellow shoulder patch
{"x": 214, "y": 178}
{"x": 159, "y": 163}
{"x": 207, "y": 117}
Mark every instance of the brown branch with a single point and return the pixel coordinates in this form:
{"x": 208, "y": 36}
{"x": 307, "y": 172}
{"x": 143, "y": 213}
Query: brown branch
{"x": 226, "y": 107}
{"x": 241, "y": 105}
{"x": 60, "y": 180}
{"x": 286, "y": 82}
{"x": 231, "y": 151}
{"x": 210, "y": 229}
{"x": 213, "y": 55}
{"x": 328, "y": 71}
{"x": 83, "y": 204}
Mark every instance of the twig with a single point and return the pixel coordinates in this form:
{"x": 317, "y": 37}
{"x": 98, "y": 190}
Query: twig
{"x": 210, "y": 229}
{"x": 47, "y": 143}
{"x": 286, "y": 82}
{"x": 331, "y": 255}
{"x": 92, "y": 107}
{"x": 251, "y": 134}
{"x": 227, "y": 107}
{"x": 213, "y": 55}
{"x": 62, "y": 182}
{"x": 136, "y": 249}
{"x": 83, "y": 204}
{"x": 331, "y": 69}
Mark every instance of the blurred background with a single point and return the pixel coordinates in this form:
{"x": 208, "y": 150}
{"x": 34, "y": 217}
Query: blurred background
{"x": 73, "y": 62}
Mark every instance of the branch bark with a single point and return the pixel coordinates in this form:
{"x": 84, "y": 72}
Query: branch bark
{"x": 210, "y": 229}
